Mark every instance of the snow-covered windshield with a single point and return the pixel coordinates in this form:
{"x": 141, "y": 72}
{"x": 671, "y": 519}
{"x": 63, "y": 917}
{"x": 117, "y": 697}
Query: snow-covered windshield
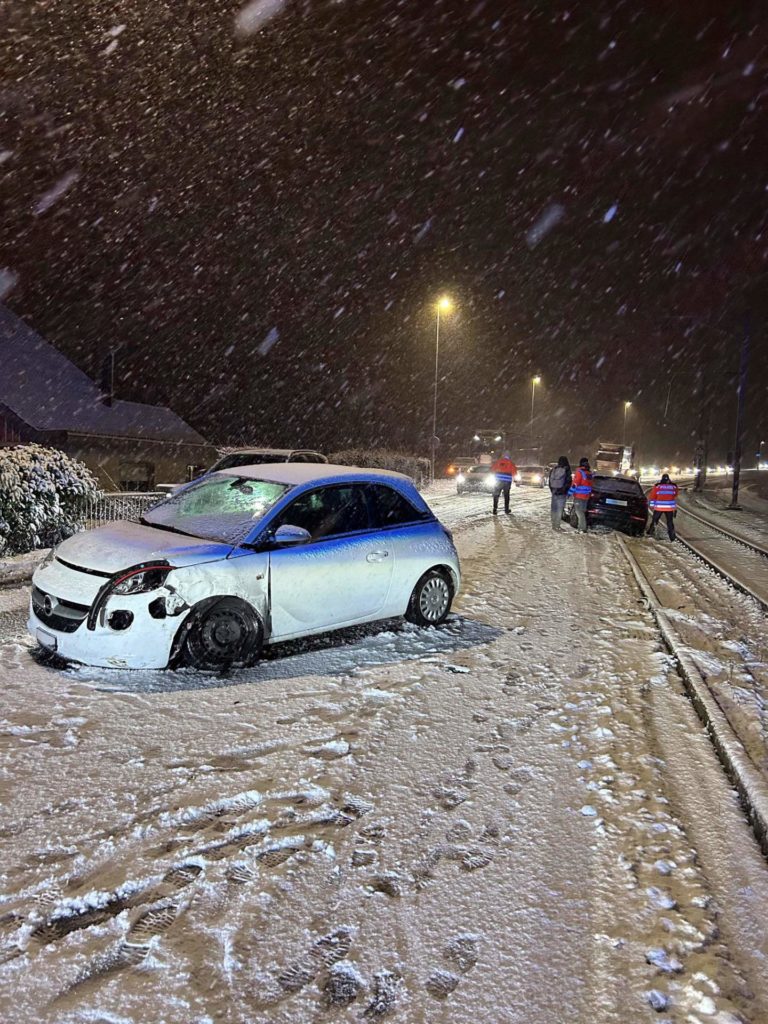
{"x": 219, "y": 507}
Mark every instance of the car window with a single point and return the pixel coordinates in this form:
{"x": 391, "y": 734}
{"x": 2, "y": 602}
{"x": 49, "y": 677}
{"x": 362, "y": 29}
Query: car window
{"x": 390, "y": 508}
{"x": 245, "y": 459}
{"x": 327, "y": 511}
{"x": 612, "y": 485}
{"x": 218, "y": 507}
{"x": 479, "y": 469}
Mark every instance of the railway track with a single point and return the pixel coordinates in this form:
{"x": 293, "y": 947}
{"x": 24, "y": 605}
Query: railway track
{"x": 740, "y": 561}
{"x": 697, "y": 623}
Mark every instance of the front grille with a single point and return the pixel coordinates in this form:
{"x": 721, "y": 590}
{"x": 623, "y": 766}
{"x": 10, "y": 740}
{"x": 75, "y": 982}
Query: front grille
{"x": 64, "y": 616}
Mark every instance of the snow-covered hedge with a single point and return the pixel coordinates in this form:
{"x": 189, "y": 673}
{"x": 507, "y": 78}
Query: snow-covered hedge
{"x": 42, "y": 495}
{"x": 383, "y": 458}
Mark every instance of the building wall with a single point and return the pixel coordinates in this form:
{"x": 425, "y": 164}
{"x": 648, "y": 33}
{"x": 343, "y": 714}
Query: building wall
{"x": 118, "y": 463}
{"x": 128, "y": 464}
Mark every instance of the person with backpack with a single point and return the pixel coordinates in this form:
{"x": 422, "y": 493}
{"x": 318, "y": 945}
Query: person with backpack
{"x": 581, "y": 489}
{"x": 663, "y": 500}
{"x": 505, "y": 472}
{"x": 559, "y": 484}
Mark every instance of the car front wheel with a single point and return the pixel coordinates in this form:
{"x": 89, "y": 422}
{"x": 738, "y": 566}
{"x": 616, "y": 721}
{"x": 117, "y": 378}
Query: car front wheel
{"x": 226, "y": 634}
{"x": 431, "y": 599}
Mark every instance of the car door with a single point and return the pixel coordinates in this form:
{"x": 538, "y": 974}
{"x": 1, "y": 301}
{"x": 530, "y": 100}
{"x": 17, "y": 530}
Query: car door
{"x": 340, "y": 576}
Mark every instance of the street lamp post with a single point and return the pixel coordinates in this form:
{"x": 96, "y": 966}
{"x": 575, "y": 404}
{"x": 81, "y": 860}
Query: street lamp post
{"x": 443, "y": 305}
{"x": 624, "y": 434}
{"x": 535, "y": 380}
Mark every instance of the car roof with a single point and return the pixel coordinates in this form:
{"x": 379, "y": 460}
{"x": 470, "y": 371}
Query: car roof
{"x": 296, "y": 473}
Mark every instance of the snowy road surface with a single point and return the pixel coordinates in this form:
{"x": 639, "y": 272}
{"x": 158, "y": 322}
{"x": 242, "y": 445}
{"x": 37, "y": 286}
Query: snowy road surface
{"x": 514, "y": 818}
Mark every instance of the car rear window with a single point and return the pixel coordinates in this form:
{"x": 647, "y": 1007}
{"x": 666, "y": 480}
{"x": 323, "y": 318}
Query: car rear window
{"x": 613, "y": 485}
{"x": 389, "y": 508}
{"x": 246, "y": 459}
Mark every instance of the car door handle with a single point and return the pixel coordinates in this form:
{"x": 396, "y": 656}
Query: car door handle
{"x": 376, "y": 556}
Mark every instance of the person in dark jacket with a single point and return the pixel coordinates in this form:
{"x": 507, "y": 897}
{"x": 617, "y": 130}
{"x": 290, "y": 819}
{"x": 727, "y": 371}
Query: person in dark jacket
{"x": 505, "y": 472}
{"x": 559, "y": 484}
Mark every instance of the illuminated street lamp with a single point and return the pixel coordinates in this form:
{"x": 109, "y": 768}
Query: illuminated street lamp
{"x": 536, "y": 380}
{"x": 626, "y": 410}
{"x": 443, "y": 305}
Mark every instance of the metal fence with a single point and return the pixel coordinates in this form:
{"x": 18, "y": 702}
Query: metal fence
{"x": 110, "y": 507}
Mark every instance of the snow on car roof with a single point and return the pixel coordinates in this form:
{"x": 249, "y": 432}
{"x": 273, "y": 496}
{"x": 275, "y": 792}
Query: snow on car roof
{"x": 296, "y": 473}
{"x": 264, "y": 451}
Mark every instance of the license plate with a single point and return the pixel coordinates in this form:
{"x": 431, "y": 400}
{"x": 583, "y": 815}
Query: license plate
{"x": 616, "y": 501}
{"x": 46, "y": 640}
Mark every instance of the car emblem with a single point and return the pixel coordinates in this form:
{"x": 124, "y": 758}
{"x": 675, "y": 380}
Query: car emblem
{"x": 48, "y": 604}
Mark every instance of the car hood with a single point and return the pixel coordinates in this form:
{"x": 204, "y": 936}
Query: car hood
{"x": 120, "y": 545}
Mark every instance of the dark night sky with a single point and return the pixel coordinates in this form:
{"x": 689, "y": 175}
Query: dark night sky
{"x": 330, "y": 175}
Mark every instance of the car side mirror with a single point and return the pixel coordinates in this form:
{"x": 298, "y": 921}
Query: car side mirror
{"x": 288, "y": 536}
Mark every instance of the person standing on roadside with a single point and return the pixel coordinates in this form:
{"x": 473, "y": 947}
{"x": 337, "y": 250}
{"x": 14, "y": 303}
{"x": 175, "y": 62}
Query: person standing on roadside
{"x": 505, "y": 472}
{"x": 559, "y": 484}
{"x": 663, "y": 499}
{"x": 581, "y": 489}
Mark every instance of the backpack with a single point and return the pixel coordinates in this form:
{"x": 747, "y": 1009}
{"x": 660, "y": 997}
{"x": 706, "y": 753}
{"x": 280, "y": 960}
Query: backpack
{"x": 560, "y": 480}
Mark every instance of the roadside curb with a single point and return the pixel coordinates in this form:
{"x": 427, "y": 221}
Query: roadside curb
{"x": 749, "y": 783}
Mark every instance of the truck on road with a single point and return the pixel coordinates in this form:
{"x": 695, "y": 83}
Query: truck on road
{"x": 616, "y": 459}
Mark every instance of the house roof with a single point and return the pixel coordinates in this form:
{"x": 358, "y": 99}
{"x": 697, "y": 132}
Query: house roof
{"x": 48, "y": 392}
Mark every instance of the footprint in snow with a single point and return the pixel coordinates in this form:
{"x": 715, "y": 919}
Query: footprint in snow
{"x": 461, "y": 951}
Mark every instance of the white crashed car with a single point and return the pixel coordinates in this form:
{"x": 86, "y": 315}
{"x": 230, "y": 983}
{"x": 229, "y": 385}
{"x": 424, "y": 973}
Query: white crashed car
{"x": 243, "y": 557}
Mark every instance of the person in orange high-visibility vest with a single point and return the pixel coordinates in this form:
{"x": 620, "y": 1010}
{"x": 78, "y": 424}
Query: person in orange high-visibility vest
{"x": 505, "y": 472}
{"x": 662, "y": 500}
{"x": 581, "y": 490}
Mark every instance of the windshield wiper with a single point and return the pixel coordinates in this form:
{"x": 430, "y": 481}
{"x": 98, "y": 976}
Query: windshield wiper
{"x": 164, "y": 526}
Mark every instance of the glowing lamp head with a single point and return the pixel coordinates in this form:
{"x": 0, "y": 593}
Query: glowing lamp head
{"x": 537, "y": 380}
{"x": 444, "y": 304}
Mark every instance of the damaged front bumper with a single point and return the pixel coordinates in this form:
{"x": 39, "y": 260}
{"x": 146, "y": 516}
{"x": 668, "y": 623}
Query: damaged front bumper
{"x": 129, "y": 631}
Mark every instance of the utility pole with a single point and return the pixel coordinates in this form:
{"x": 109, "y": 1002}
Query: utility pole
{"x": 740, "y": 401}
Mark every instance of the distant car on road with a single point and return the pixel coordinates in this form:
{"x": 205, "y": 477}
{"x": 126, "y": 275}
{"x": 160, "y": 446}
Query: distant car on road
{"x": 616, "y": 501}
{"x": 241, "y": 558}
{"x": 531, "y": 476}
{"x": 475, "y": 480}
{"x": 458, "y": 466}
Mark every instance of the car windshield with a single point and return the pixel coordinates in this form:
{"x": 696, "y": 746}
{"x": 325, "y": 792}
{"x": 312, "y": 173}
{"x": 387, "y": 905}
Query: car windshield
{"x": 616, "y": 485}
{"x": 220, "y": 507}
{"x": 479, "y": 469}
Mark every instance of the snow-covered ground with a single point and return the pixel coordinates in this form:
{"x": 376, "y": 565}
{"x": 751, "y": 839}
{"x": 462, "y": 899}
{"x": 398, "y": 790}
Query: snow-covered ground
{"x": 514, "y": 818}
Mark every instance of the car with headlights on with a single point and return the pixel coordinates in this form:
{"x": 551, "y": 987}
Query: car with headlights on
{"x": 531, "y": 476}
{"x": 244, "y": 557}
{"x": 475, "y": 480}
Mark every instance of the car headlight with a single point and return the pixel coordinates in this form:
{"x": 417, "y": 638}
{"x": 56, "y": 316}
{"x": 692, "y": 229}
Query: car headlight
{"x": 537, "y": 478}
{"x": 491, "y": 479}
{"x": 141, "y": 581}
{"x": 518, "y": 478}
{"x": 460, "y": 478}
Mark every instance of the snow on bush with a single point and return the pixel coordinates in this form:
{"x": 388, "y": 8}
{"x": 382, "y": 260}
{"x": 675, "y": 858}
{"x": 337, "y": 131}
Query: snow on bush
{"x": 383, "y": 458}
{"x": 42, "y": 494}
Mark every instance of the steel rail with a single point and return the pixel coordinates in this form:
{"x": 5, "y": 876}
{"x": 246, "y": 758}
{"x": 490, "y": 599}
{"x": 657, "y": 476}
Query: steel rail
{"x": 722, "y": 571}
{"x": 752, "y": 545}
{"x": 748, "y": 781}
